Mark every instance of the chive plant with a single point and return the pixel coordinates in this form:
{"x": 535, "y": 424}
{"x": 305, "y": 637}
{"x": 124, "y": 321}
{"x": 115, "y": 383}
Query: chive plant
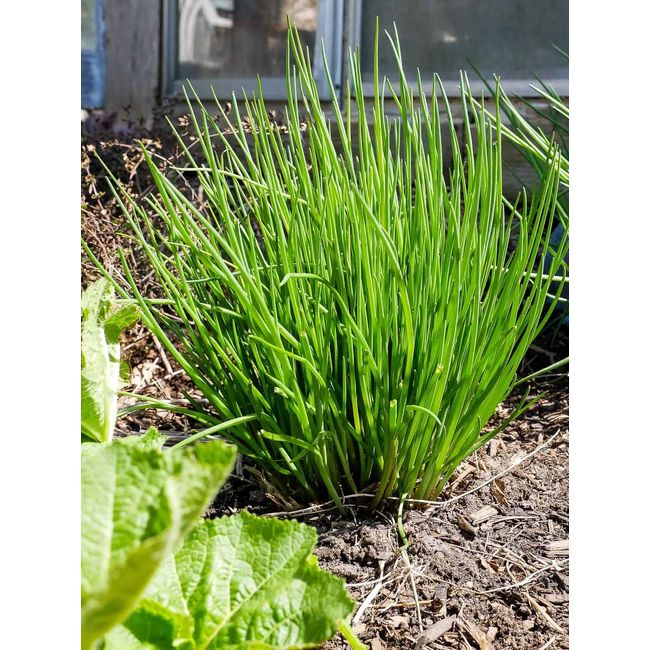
{"x": 345, "y": 299}
{"x": 533, "y": 142}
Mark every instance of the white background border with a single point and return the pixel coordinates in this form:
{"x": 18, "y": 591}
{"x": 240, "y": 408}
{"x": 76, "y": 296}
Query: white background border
{"x": 39, "y": 316}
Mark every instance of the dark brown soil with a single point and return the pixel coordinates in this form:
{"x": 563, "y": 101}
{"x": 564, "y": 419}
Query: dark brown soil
{"x": 499, "y": 583}
{"x": 462, "y": 582}
{"x": 485, "y": 567}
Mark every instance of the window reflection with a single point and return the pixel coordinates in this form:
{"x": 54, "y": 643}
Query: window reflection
{"x": 513, "y": 38}
{"x": 240, "y": 38}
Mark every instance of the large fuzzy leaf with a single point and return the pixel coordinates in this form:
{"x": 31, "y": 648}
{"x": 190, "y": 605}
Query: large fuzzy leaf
{"x": 100, "y": 358}
{"x": 138, "y": 503}
{"x": 239, "y": 583}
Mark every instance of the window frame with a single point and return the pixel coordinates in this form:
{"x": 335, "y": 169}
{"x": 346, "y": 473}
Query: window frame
{"x": 330, "y": 29}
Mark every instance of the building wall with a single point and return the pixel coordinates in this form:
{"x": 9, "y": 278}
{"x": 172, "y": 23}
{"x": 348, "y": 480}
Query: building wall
{"x": 133, "y": 55}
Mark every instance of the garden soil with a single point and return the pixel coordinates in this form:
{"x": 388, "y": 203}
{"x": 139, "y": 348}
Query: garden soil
{"x": 486, "y": 566}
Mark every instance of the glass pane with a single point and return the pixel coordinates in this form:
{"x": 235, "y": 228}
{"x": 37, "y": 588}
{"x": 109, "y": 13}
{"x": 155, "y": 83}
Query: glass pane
{"x": 512, "y": 38}
{"x": 88, "y": 25}
{"x": 239, "y": 38}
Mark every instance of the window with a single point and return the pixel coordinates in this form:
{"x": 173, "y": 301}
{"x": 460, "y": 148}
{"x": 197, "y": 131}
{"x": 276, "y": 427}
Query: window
{"x": 512, "y": 38}
{"x": 227, "y": 43}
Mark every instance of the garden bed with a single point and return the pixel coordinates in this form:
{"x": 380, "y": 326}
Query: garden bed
{"x": 486, "y": 566}
{"x": 488, "y": 569}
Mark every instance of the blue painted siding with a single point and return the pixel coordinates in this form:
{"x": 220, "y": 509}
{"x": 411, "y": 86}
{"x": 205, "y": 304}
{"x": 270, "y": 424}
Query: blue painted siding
{"x": 93, "y": 65}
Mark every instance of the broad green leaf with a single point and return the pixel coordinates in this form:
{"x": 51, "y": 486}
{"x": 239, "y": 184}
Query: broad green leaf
{"x": 147, "y": 628}
{"x": 138, "y": 502}
{"x": 119, "y": 638}
{"x": 241, "y": 583}
{"x": 152, "y": 439}
{"x": 101, "y": 371}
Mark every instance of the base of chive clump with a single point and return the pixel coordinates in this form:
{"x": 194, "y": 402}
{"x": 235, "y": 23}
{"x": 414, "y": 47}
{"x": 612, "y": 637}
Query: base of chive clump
{"x": 348, "y": 301}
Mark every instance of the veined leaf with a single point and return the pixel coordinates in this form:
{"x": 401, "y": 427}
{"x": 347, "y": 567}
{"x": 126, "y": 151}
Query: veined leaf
{"x": 100, "y": 358}
{"x": 138, "y": 503}
{"x": 239, "y": 583}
